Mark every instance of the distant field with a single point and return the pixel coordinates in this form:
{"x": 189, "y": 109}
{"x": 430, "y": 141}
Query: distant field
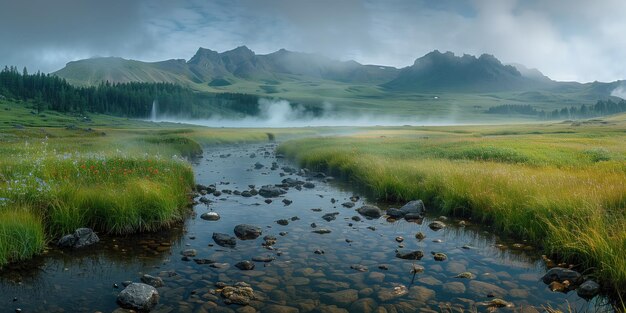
{"x": 561, "y": 186}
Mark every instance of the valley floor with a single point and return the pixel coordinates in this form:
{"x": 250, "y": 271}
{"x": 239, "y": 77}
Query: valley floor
{"x": 561, "y": 186}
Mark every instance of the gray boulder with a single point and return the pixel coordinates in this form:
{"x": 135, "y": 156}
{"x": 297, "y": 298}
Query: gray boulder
{"x": 245, "y": 231}
{"x": 153, "y": 281}
{"x": 560, "y": 275}
{"x": 138, "y": 296}
{"x": 224, "y": 240}
{"x": 370, "y": 211}
{"x": 82, "y": 237}
{"x": 269, "y": 191}
{"x": 588, "y": 289}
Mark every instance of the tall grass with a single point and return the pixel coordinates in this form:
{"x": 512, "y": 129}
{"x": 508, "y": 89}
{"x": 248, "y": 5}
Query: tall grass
{"x": 21, "y": 235}
{"x": 573, "y": 205}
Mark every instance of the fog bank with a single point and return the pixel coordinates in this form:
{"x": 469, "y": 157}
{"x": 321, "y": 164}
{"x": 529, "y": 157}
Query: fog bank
{"x": 281, "y": 114}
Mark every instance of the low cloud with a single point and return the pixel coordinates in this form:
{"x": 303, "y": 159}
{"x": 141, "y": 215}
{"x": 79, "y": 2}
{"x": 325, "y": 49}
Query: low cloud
{"x": 281, "y": 114}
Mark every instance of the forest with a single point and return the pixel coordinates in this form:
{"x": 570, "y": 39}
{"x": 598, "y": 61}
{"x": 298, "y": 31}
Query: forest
{"x": 132, "y": 99}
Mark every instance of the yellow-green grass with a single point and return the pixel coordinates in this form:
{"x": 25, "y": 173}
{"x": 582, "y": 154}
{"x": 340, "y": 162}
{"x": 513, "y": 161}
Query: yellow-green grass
{"x": 111, "y": 174}
{"x": 560, "y": 186}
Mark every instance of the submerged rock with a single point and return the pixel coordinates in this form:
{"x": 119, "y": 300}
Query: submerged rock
{"x": 436, "y": 225}
{"x": 370, "y": 211}
{"x": 153, "y": 281}
{"x": 410, "y": 255}
{"x": 439, "y": 256}
{"x": 322, "y": 231}
{"x": 224, "y": 240}
{"x": 245, "y": 265}
{"x": 348, "y": 205}
{"x": 247, "y": 232}
{"x": 82, "y": 237}
{"x": 241, "y": 293}
{"x": 138, "y": 296}
{"x": 330, "y": 216}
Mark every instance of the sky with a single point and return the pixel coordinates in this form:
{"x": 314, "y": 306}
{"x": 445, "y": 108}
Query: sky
{"x": 565, "y": 39}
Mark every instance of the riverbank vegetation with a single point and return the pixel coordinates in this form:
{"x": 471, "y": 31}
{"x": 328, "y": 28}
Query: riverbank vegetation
{"x": 59, "y": 172}
{"x": 560, "y": 186}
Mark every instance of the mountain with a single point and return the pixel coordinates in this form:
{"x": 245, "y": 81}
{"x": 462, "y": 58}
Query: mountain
{"x": 310, "y": 77}
{"x": 438, "y": 71}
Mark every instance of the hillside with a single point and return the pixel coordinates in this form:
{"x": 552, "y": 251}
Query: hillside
{"x": 437, "y": 85}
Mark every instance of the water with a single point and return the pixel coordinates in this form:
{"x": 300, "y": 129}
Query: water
{"x": 83, "y": 281}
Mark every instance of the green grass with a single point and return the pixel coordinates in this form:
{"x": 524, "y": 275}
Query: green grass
{"x": 560, "y": 186}
{"x": 112, "y": 174}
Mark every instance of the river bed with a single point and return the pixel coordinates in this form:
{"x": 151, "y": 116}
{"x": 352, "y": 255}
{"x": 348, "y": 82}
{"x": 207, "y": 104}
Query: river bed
{"x": 353, "y": 268}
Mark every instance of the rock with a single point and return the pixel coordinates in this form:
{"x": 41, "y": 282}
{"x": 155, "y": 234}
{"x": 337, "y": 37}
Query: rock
{"x": 282, "y": 222}
{"x": 224, "y": 240}
{"x": 420, "y": 236}
{"x": 454, "y": 287}
{"x": 330, "y": 216}
{"x": 383, "y": 267}
{"x": 440, "y": 256}
{"x": 399, "y": 239}
{"x": 318, "y": 251}
{"x": 247, "y": 232}
{"x": 370, "y": 211}
{"x": 356, "y": 218}
{"x": 341, "y": 298}
{"x": 348, "y": 205}
{"x": 386, "y": 294}
{"x": 258, "y": 165}
{"x": 269, "y": 191}
{"x": 436, "y": 225}
{"x": 268, "y": 201}
{"x": 588, "y": 289}
{"x": 415, "y": 207}
{"x": 410, "y": 255}
{"x": 359, "y": 267}
{"x": 308, "y": 185}
{"x": 497, "y": 303}
{"x": 467, "y": 275}
{"x": 482, "y": 289}
{"x": 153, "y": 281}
{"x": 280, "y": 309}
{"x": 560, "y": 274}
{"x": 240, "y": 293}
{"x": 365, "y": 305}
{"x": 376, "y": 277}
{"x": 421, "y": 294}
{"x": 245, "y": 265}
{"x": 556, "y": 286}
{"x": 287, "y": 201}
{"x": 203, "y": 261}
{"x": 313, "y": 225}
{"x": 82, "y": 237}
{"x": 263, "y": 258}
{"x": 322, "y": 231}
{"x": 210, "y": 216}
{"x": 189, "y": 252}
{"x": 246, "y": 194}
{"x": 138, "y": 296}
{"x": 394, "y": 213}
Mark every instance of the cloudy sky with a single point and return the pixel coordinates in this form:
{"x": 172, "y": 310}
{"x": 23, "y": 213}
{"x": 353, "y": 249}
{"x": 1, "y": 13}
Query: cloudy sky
{"x": 566, "y": 39}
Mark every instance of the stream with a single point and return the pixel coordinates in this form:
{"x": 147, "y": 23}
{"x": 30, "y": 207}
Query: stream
{"x": 352, "y": 268}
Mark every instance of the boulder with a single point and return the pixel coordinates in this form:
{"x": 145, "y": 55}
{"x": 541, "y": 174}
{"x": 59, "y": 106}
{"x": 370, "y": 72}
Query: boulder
{"x": 436, "y": 225}
{"x": 246, "y": 232}
{"x": 410, "y": 255}
{"x": 245, "y": 265}
{"x": 138, "y": 296}
{"x": 588, "y": 289}
{"x": 82, "y": 237}
{"x": 210, "y": 216}
{"x": 560, "y": 275}
{"x": 269, "y": 191}
{"x": 240, "y": 293}
{"x": 370, "y": 211}
{"x": 224, "y": 240}
{"x": 153, "y": 281}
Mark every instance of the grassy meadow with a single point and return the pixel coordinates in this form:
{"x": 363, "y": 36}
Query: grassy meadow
{"x": 59, "y": 172}
{"x": 561, "y": 186}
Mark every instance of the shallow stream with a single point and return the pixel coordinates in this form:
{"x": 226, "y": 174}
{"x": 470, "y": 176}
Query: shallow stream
{"x": 354, "y": 269}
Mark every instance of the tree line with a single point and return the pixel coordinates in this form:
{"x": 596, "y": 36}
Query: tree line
{"x": 601, "y": 108}
{"x": 133, "y": 99}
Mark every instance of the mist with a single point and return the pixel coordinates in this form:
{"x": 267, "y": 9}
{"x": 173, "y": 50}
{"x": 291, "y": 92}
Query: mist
{"x": 619, "y": 92}
{"x": 282, "y": 114}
